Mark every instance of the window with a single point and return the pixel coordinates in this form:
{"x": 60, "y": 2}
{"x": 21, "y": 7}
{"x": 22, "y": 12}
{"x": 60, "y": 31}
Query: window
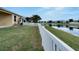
{"x": 52, "y": 45}
{"x": 55, "y": 47}
{"x": 15, "y": 18}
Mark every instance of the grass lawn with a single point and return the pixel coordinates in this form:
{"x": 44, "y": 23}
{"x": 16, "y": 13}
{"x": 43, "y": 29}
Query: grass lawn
{"x": 71, "y": 40}
{"x": 21, "y": 38}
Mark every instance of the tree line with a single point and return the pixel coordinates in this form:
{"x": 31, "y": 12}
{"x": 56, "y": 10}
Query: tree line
{"x": 34, "y": 18}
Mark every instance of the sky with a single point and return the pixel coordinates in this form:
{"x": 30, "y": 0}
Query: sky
{"x": 48, "y": 13}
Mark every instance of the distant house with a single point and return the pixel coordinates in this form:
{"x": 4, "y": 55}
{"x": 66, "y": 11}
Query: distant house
{"x": 8, "y": 18}
{"x": 74, "y": 23}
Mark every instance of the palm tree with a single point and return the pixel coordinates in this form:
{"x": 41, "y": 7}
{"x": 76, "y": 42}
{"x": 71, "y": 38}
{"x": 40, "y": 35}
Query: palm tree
{"x": 67, "y": 21}
{"x": 77, "y": 20}
{"x": 50, "y": 22}
{"x": 35, "y": 18}
{"x": 71, "y": 20}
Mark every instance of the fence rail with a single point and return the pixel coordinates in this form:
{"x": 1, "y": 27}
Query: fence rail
{"x": 52, "y": 43}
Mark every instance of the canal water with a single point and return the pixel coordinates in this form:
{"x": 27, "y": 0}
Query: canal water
{"x": 70, "y": 29}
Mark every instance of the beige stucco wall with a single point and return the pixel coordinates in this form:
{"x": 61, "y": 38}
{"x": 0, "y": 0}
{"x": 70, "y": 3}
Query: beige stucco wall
{"x": 5, "y": 19}
{"x": 17, "y": 19}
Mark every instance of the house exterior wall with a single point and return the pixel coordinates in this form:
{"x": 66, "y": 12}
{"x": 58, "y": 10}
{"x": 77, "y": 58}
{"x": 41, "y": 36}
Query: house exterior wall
{"x": 5, "y": 19}
{"x": 17, "y": 19}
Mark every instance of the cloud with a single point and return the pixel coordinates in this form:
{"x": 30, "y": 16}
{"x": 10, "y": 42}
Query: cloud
{"x": 59, "y": 8}
{"x": 44, "y": 9}
{"x": 49, "y": 10}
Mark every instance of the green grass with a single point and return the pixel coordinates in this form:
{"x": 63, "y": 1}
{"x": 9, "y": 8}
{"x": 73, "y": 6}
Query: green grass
{"x": 21, "y": 38}
{"x": 71, "y": 40}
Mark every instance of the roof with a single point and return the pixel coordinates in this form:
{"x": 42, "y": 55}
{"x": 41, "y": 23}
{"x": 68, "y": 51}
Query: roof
{"x": 7, "y": 11}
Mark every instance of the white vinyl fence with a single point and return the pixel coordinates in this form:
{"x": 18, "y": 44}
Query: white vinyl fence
{"x": 50, "y": 42}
